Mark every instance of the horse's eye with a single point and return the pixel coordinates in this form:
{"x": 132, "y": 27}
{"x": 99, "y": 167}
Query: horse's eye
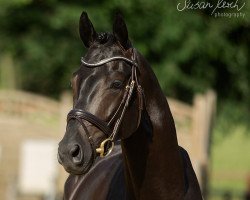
{"x": 117, "y": 84}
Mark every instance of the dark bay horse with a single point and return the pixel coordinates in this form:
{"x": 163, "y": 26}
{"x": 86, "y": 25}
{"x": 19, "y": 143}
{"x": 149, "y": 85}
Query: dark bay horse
{"x": 120, "y": 140}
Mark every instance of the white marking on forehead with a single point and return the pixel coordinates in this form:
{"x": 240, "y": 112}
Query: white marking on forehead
{"x": 120, "y": 66}
{"x": 117, "y": 66}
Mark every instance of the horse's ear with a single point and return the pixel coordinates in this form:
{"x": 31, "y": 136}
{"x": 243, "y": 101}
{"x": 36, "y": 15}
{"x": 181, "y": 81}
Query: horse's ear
{"x": 86, "y": 30}
{"x": 120, "y": 30}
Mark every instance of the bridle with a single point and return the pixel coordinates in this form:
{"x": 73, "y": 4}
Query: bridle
{"x": 107, "y": 145}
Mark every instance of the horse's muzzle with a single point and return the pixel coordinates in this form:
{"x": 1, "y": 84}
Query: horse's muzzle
{"x": 71, "y": 157}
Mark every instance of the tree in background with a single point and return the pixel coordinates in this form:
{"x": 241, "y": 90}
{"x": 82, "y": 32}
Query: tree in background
{"x": 190, "y": 51}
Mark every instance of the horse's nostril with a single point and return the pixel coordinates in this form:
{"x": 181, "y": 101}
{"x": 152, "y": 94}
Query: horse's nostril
{"x": 76, "y": 154}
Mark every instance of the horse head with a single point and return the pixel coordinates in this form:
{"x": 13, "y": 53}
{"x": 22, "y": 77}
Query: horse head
{"x": 107, "y": 97}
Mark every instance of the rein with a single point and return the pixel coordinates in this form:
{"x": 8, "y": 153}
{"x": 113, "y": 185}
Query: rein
{"x": 107, "y": 145}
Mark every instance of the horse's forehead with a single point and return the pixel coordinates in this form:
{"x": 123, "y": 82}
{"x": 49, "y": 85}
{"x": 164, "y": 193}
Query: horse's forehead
{"x": 114, "y": 69}
{"x": 109, "y": 68}
{"x": 97, "y": 53}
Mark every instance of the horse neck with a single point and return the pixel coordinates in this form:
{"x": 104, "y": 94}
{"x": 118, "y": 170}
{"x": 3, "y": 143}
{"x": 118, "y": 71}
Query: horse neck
{"x": 153, "y": 164}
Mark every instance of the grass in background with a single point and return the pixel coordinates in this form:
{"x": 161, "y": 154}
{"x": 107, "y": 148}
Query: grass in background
{"x": 230, "y": 156}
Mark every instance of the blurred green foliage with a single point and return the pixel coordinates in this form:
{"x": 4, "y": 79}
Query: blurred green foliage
{"x": 190, "y": 51}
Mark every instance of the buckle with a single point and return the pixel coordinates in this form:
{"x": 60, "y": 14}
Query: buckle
{"x": 105, "y": 148}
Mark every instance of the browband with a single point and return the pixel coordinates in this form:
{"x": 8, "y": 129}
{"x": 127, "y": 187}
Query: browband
{"x": 106, "y": 60}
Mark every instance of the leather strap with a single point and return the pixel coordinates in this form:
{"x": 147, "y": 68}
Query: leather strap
{"x": 91, "y": 119}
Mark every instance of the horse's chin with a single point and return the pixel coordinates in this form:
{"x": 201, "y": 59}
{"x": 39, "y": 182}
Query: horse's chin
{"x": 78, "y": 170}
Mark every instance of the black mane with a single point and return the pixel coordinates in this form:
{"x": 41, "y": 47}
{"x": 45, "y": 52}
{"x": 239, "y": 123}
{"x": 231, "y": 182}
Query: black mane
{"x": 105, "y": 38}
